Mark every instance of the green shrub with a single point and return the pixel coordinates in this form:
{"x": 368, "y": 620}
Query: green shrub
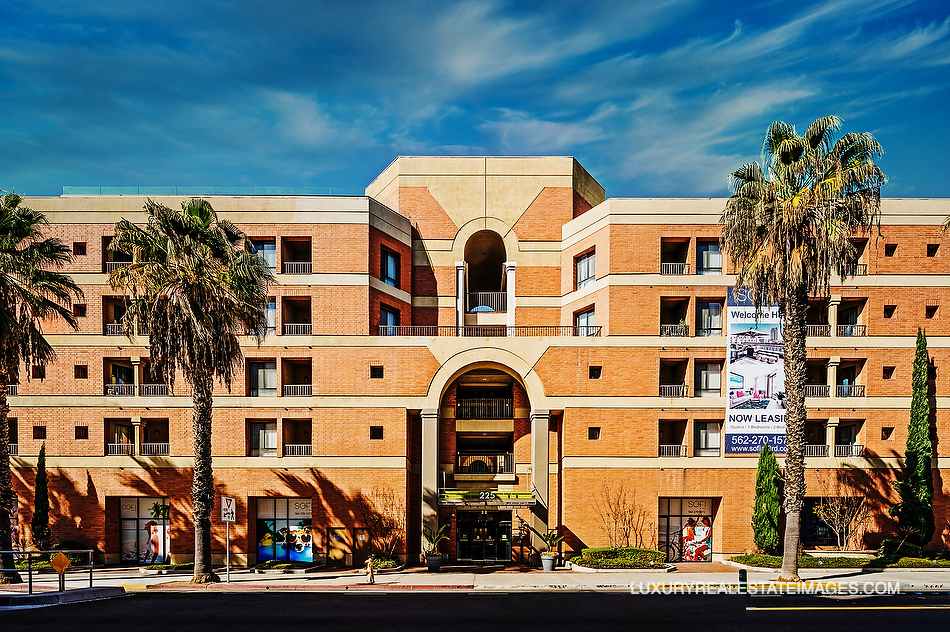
{"x": 805, "y": 561}
{"x": 918, "y": 562}
{"x": 281, "y": 564}
{"x": 381, "y": 561}
{"x": 619, "y": 557}
{"x": 898, "y": 549}
{"x": 188, "y": 566}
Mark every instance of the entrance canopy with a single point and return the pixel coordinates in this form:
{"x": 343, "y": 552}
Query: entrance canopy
{"x": 486, "y": 499}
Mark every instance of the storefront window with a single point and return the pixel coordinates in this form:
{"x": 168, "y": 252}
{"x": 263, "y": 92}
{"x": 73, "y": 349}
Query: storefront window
{"x": 685, "y": 529}
{"x": 145, "y": 530}
{"x": 284, "y": 529}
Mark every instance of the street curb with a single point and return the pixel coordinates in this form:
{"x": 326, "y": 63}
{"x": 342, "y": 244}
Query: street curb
{"x": 57, "y": 598}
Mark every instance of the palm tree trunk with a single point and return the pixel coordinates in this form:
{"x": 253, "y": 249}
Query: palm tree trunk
{"x": 6, "y": 486}
{"x": 796, "y": 355}
{"x": 202, "y": 486}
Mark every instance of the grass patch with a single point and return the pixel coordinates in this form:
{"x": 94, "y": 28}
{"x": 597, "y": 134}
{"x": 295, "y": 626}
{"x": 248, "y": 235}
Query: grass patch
{"x": 619, "y": 558}
{"x": 281, "y": 564}
{"x": 188, "y": 566}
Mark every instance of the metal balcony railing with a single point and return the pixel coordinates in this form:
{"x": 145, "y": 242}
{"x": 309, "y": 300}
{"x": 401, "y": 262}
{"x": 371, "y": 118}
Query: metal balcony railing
{"x": 816, "y": 390}
{"x": 297, "y": 329}
{"x": 856, "y": 269}
{"x": 13, "y": 449}
{"x": 153, "y": 390}
{"x": 673, "y": 390}
{"x": 120, "y": 390}
{"x": 674, "y": 268}
{"x": 852, "y": 330}
{"x": 489, "y": 331}
{"x": 822, "y": 331}
{"x": 678, "y": 330}
{"x": 298, "y": 449}
{"x": 487, "y": 302}
{"x": 850, "y": 390}
{"x": 154, "y": 449}
{"x": 816, "y": 450}
{"x": 112, "y": 266}
{"x": 849, "y": 450}
{"x": 484, "y": 408}
{"x": 120, "y": 449}
{"x": 298, "y": 267}
{"x": 483, "y": 463}
{"x": 673, "y": 450}
{"x": 115, "y": 329}
{"x": 12, "y": 390}
{"x": 298, "y": 390}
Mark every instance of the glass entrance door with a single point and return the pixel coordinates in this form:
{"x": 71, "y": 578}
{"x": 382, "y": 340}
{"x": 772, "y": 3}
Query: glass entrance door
{"x": 483, "y": 536}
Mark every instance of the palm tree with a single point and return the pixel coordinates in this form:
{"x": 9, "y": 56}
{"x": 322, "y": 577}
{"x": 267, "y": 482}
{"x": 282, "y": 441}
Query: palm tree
{"x": 195, "y": 284}
{"x": 31, "y": 291}
{"x": 787, "y": 229}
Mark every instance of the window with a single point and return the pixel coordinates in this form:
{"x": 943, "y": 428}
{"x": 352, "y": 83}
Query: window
{"x": 79, "y": 248}
{"x": 584, "y": 323}
{"x": 263, "y": 438}
{"x": 11, "y": 422}
{"x": 271, "y": 314}
{"x": 376, "y": 372}
{"x": 39, "y": 433}
{"x": 710, "y": 318}
{"x": 594, "y": 372}
{"x": 708, "y": 379}
{"x": 79, "y": 310}
{"x": 706, "y": 439}
{"x": 376, "y": 433}
{"x": 932, "y": 249}
{"x": 593, "y": 433}
{"x": 81, "y": 372}
{"x": 388, "y": 320}
{"x": 262, "y": 379}
{"x": 889, "y": 311}
{"x": 887, "y": 432}
{"x": 267, "y": 250}
{"x": 930, "y": 311}
{"x": 888, "y": 372}
{"x": 389, "y": 264}
{"x": 82, "y": 433}
{"x": 890, "y": 250}
{"x": 708, "y": 258}
{"x": 584, "y": 270}
{"x": 39, "y": 372}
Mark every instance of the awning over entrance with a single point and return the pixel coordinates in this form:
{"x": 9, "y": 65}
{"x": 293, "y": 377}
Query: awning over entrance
{"x": 500, "y": 500}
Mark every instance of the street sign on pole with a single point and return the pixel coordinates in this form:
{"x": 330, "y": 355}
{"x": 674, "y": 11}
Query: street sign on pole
{"x": 228, "y": 515}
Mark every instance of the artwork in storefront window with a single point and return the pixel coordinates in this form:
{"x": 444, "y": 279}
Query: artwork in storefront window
{"x": 146, "y": 537}
{"x": 697, "y": 536}
{"x": 284, "y": 530}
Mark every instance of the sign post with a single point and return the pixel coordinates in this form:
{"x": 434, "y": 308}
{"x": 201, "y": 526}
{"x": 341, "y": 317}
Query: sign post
{"x": 228, "y": 515}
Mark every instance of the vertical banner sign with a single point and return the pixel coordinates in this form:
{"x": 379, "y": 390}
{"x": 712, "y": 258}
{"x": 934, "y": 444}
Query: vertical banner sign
{"x": 755, "y": 407}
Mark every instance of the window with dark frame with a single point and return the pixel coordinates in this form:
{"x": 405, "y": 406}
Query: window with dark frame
{"x": 39, "y": 433}
{"x": 889, "y": 372}
{"x": 584, "y": 323}
{"x": 930, "y": 311}
{"x": 890, "y": 250}
{"x": 376, "y": 433}
{"x": 594, "y": 372}
{"x": 887, "y": 432}
{"x": 593, "y": 433}
{"x": 889, "y": 311}
{"x": 388, "y": 320}
{"x": 39, "y": 372}
{"x": 82, "y": 433}
{"x": 376, "y": 371}
{"x": 389, "y": 264}
{"x": 584, "y": 273}
{"x": 932, "y": 249}
{"x": 79, "y": 310}
{"x": 79, "y": 248}
{"x": 81, "y": 372}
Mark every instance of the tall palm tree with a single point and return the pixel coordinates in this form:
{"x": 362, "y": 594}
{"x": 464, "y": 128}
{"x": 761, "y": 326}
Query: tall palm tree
{"x": 787, "y": 229}
{"x": 31, "y": 291}
{"x": 196, "y": 285}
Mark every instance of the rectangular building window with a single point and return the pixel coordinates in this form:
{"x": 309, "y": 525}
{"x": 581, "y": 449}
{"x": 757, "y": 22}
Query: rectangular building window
{"x": 79, "y": 310}
{"x": 708, "y": 379}
{"x": 706, "y": 438}
{"x": 932, "y": 249}
{"x": 708, "y": 258}
{"x": 890, "y": 250}
{"x": 376, "y": 372}
{"x": 285, "y": 530}
{"x": 263, "y": 439}
{"x": 889, "y": 311}
{"x": 593, "y": 433}
{"x": 930, "y": 311}
{"x": 594, "y": 372}
{"x": 709, "y": 317}
{"x": 262, "y": 379}
{"x": 79, "y": 248}
{"x": 81, "y": 372}
{"x": 584, "y": 269}
{"x": 584, "y": 323}
{"x": 376, "y": 433}
{"x": 267, "y": 250}
{"x": 888, "y": 372}
{"x": 82, "y": 433}
{"x": 39, "y": 372}
{"x": 389, "y": 264}
{"x": 39, "y": 433}
{"x": 388, "y": 320}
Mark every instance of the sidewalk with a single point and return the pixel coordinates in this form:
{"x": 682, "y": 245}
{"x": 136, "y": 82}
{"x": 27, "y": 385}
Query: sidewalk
{"x": 496, "y": 579}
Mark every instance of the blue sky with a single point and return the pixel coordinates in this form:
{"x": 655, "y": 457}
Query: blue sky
{"x": 658, "y": 98}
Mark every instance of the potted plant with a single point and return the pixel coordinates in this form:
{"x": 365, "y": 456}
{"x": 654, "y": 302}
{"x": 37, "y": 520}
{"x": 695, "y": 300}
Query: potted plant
{"x": 433, "y": 539}
{"x": 549, "y": 557}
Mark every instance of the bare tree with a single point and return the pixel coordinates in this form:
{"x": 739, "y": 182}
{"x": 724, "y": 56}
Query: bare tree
{"x": 624, "y": 521}
{"x": 383, "y": 512}
{"x": 845, "y": 510}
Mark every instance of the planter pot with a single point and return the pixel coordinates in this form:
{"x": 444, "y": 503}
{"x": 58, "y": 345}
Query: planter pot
{"x": 434, "y": 563}
{"x": 547, "y": 562}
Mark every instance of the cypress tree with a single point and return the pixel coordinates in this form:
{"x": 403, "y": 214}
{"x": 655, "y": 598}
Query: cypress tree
{"x": 39, "y": 525}
{"x": 915, "y": 515}
{"x": 767, "y": 509}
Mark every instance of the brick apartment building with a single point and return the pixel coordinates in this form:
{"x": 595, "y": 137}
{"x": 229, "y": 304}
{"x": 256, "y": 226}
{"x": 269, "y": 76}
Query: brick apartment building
{"x": 485, "y": 341}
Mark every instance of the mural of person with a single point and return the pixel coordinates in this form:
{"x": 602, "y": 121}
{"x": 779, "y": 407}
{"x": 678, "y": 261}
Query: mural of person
{"x": 703, "y": 540}
{"x": 153, "y": 542}
{"x": 689, "y": 539}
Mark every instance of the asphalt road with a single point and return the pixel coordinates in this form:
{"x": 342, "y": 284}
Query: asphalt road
{"x": 443, "y": 612}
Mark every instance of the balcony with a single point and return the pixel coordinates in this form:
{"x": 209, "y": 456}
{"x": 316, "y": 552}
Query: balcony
{"x": 298, "y": 390}
{"x": 12, "y": 390}
{"x": 850, "y": 390}
{"x": 112, "y": 266}
{"x": 13, "y": 449}
{"x": 680, "y": 330}
{"x": 298, "y": 449}
{"x": 856, "y": 269}
{"x": 674, "y": 268}
{"x": 849, "y": 450}
{"x": 672, "y": 451}
{"x": 297, "y": 329}
{"x": 120, "y": 449}
{"x": 487, "y": 302}
{"x": 297, "y": 267}
{"x": 115, "y": 329}
{"x": 820, "y": 331}
{"x": 674, "y": 390}
{"x": 817, "y": 390}
{"x": 120, "y": 390}
{"x": 487, "y": 464}
{"x": 816, "y": 450}
{"x": 484, "y": 408}
{"x": 490, "y": 331}
{"x": 153, "y": 390}
{"x": 852, "y": 330}
{"x": 154, "y": 449}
